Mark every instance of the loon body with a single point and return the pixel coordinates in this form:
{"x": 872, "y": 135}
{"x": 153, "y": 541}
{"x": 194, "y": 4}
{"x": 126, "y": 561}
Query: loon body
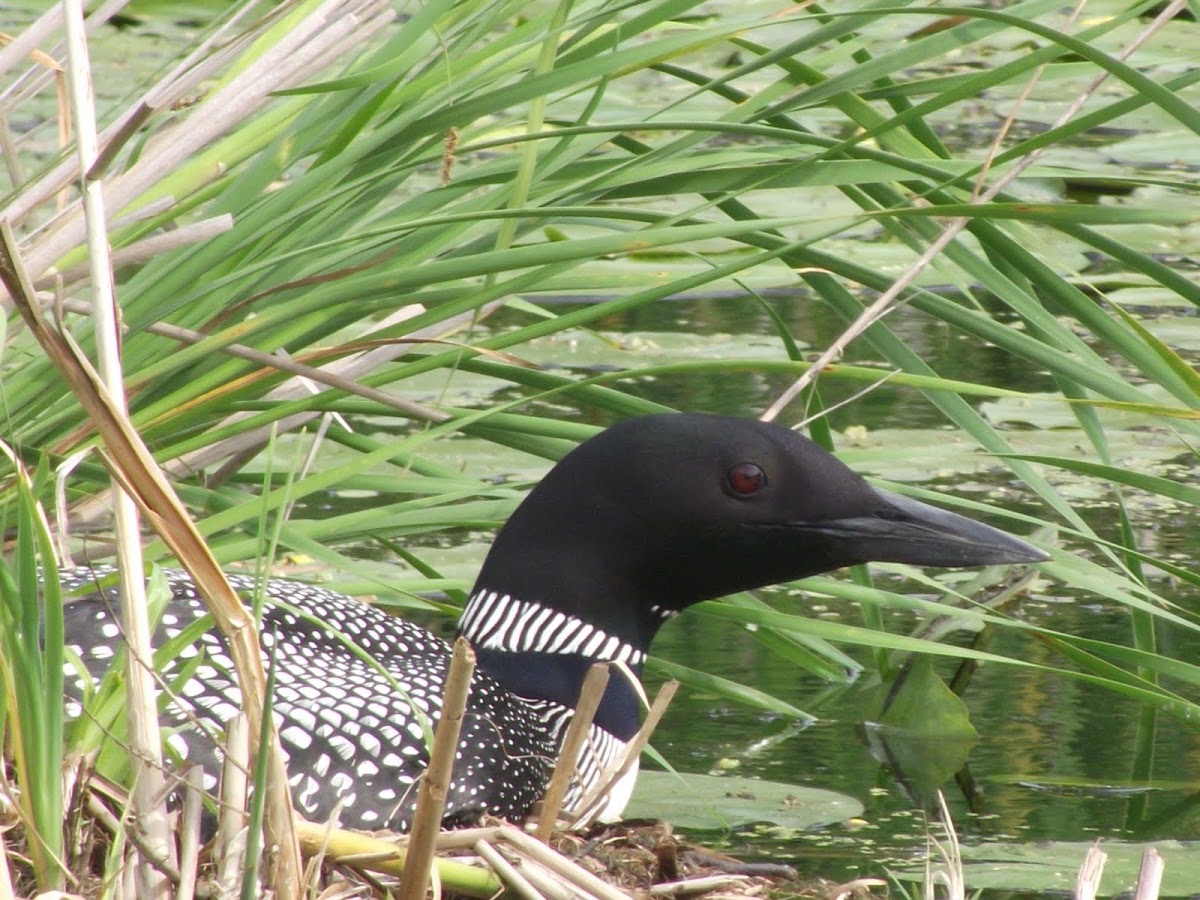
{"x": 633, "y": 526}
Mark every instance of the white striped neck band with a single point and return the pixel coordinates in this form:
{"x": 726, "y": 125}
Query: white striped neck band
{"x": 495, "y": 621}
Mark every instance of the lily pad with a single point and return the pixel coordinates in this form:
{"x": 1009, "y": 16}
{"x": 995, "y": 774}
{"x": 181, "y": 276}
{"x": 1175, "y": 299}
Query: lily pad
{"x": 925, "y": 734}
{"x": 920, "y": 704}
{"x": 712, "y": 803}
{"x": 1055, "y": 865}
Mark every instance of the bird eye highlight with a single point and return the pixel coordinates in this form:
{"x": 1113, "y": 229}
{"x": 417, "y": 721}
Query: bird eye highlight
{"x": 746, "y": 479}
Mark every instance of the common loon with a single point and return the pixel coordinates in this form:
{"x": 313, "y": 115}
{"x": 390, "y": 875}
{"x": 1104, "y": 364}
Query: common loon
{"x": 641, "y": 521}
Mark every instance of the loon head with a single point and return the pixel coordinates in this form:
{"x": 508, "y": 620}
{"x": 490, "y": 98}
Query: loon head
{"x": 660, "y": 512}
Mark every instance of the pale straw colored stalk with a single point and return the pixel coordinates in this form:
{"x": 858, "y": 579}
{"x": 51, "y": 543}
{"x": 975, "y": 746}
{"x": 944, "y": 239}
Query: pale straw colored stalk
{"x": 148, "y": 798}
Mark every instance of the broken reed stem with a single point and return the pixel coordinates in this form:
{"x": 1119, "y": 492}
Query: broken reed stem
{"x": 148, "y": 797}
{"x": 590, "y": 696}
{"x": 144, "y": 250}
{"x": 127, "y": 457}
{"x": 1087, "y": 881}
{"x": 229, "y": 848}
{"x": 431, "y": 794}
{"x": 1150, "y": 875}
{"x": 220, "y": 112}
{"x": 550, "y": 885}
{"x": 362, "y": 851}
{"x": 273, "y": 361}
{"x": 132, "y": 833}
{"x": 189, "y": 839}
{"x": 515, "y": 881}
{"x": 461, "y": 838}
{"x": 30, "y": 38}
{"x": 559, "y": 864}
{"x": 589, "y": 806}
{"x": 6, "y": 882}
{"x": 295, "y": 56}
{"x": 692, "y": 886}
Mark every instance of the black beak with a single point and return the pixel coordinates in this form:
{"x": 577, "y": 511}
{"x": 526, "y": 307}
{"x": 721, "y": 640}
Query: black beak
{"x": 902, "y": 530}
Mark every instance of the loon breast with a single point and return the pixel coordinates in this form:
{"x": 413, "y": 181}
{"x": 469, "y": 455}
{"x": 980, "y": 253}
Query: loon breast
{"x": 357, "y": 692}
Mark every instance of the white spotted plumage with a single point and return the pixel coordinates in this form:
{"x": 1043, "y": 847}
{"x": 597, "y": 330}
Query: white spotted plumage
{"x": 339, "y": 713}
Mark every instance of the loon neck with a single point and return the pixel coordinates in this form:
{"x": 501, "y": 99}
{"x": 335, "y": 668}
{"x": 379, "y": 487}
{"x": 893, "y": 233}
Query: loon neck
{"x": 497, "y": 621}
{"x": 541, "y": 653}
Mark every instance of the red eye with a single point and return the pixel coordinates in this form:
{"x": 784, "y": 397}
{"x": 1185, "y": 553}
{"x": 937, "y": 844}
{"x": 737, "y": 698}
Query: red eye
{"x": 746, "y": 479}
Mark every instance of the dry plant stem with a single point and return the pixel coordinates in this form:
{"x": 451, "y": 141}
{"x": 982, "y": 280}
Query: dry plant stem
{"x": 132, "y": 833}
{"x": 1150, "y": 875}
{"x": 888, "y": 298}
{"x": 218, "y": 48}
{"x": 144, "y": 251}
{"x": 363, "y": 851}
{"x": 696, "y": 885}
{"x": 229, "y": 849}
{"x": 1087, "y": 883}
{"x": 551, "y": 886}
{"x": 28, "y": 40}
{"x": 590, "y": 804}
{"x": 189, "y": 841}
{"x": 207, "y": 121}
{"x": 508, "y": 873}
{"x": 39, "y": 31}
{"x": 559, "y": 864}
{"x": 461, "y": 838}
{"x": 431, "y": 795}
{"x": 590, "y": 695}
{"x": 61, "y": 175}
{"x": 142, "y": 213}
{"x": 316, "y": 859}
{"x": 148, "y": 796}
{"x": 8, "y": 149}
{"x": 6, "y": 885}
{"x": 128, "y": 457}
{"x": 339, "y": 374}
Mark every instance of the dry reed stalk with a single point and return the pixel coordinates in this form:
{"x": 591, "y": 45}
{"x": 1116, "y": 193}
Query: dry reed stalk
{"x": 1150, "y": 875}
{"x": 462, "y": 838}
{"x": 431, "y": 794}
{"x": 590, "y": 696}
{"x": 560, "y": 865}
{"x": 591, "y": 803}
{"x": 8, "y": 151}
{"x": 508, "y": 873}
{"x": 229, "y": 848}
{"x": 128, "y": 458}
{"x": 28, "y": 40}
{"x": 1087, "y": 882}
{"x": 338, "y": 374}
{"x": 550, "y": 885}
{"x": 40, "y": 30}
{"x": 6, "y": 885}
{"x": 299, "y": 53}
{"x": 692, "y": 886}
{"x": 189, "y": 832}
{"x": 132, "y": 833}
{"x": 364, "y": 851}
{"x": 148, "y": 797}
{"x": 144, "y": 251}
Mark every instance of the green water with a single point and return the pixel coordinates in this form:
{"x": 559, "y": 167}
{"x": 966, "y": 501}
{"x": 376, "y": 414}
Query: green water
{"x": 1054, "y": 754}
{"x": 1037, "y": 731}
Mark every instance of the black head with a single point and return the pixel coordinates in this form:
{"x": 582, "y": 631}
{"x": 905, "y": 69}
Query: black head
{"x": 664, "y": 511}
